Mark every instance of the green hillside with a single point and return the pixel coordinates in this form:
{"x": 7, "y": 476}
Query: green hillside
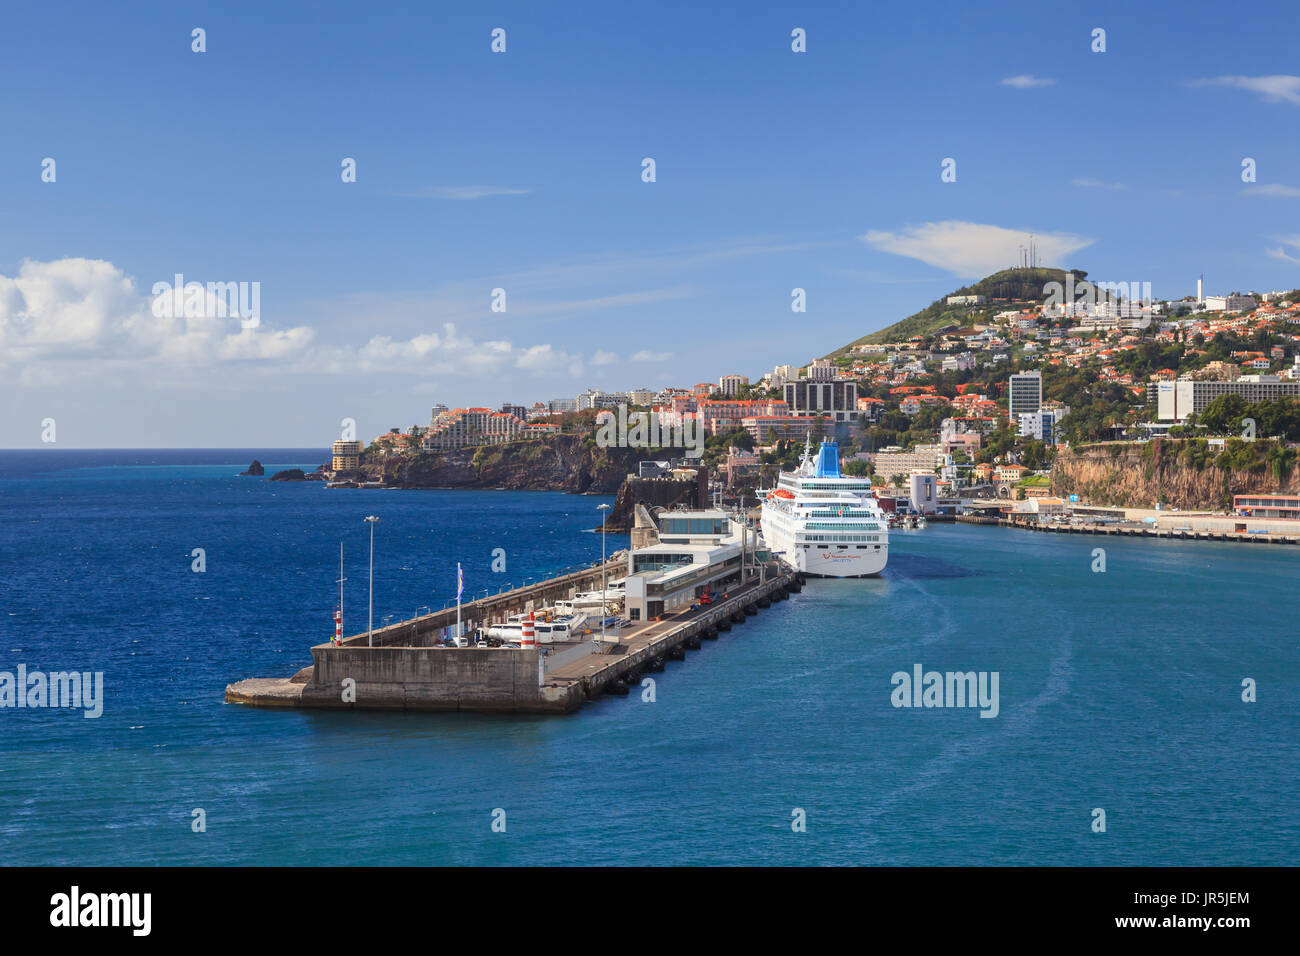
{"x": 1011, "y": 285}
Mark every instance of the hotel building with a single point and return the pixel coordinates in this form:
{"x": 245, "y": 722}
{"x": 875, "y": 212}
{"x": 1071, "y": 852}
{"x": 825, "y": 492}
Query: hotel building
{"x": 346, "y": 456}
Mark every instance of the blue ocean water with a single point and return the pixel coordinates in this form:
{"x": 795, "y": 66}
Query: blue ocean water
{"x": 1118, "y": 690}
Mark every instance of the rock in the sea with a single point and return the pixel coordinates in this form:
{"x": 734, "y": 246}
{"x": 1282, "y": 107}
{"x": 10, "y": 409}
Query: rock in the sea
{"x": 255, "y": 469}
{"x": 293, "y": 474}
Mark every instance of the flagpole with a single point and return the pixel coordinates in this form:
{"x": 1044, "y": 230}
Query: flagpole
{"x": 339, "y": 629}
{"x": 458, "y": 587}
{"x": 370, "y": 627}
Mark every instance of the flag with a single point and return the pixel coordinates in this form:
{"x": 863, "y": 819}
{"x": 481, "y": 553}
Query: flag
{"x": 460, "y": 581}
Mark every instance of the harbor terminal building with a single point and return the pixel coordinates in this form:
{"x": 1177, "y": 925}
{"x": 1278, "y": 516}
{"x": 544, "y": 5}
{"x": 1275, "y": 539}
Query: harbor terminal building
{"x": 696, "y": 551}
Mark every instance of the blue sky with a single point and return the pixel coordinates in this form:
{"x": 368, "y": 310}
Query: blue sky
{"x": 775, "y": 170}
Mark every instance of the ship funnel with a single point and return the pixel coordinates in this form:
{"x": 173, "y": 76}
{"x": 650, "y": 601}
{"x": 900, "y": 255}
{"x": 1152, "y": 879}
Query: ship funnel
{"x": 828, "y": 461}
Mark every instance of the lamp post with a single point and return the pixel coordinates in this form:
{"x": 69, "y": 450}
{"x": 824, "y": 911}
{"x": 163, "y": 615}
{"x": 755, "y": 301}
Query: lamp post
{"x": 370, "y": 626}
{"x": 604, "y": 513}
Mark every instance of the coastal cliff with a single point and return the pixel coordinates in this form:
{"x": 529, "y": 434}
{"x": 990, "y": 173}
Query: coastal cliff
{"x": 653, "y": 492}
{"x": 572, "y": 463}
{"x": 1189, "y": 474}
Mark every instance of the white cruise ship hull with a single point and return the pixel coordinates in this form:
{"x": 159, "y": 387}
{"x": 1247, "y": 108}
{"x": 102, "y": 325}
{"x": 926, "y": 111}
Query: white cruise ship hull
{"x": 827, "y": 561}
{"x": 823, "y": 523}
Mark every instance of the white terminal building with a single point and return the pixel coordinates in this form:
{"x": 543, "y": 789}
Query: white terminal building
{"x": 1182, "y": 397}
{"x": 697, "y": 551}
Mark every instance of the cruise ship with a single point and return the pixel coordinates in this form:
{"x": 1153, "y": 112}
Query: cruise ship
{"x": 823, "y": 523}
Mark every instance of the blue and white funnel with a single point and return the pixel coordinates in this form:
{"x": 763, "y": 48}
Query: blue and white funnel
{"x": 828, "y": 461}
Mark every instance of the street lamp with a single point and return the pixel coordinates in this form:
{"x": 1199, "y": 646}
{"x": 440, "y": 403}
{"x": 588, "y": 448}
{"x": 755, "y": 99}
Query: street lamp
{"x": 370, "y": 627}
{"x": 604, "y": 513}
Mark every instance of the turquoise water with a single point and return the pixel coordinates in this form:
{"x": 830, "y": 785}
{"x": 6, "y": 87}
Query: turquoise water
{"x": 1119, "y": 690}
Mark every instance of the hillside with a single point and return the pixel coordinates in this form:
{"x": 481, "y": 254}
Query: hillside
{"x": 1009, "y": 284}
{"x": 1189, "y": 474}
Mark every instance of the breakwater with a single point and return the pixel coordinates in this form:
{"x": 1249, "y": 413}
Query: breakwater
{"x": 406, "y": 669}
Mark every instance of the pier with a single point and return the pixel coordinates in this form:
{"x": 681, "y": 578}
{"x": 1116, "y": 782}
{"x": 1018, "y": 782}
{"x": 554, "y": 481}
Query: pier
{"x": 406, "y": 668}
{"x": 425, "y": 630}
{"x": 1139, "y": 531}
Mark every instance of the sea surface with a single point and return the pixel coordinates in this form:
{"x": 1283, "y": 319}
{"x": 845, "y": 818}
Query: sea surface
{"x": 1118, "y": 691}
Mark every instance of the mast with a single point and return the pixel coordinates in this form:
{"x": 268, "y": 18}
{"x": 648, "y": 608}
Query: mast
{"x": 338, "y": 615}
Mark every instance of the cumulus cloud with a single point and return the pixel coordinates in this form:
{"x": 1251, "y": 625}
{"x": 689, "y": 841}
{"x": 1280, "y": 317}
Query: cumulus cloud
{"x": 1026, "y": 81}
{"x": 1279, "y": 88}
{"x": 76, "y": 317}
{"x": 89, "y": 308}
{"x": 971, "y": 249}
{"x": 645, "y": 355}
{"x": 547, "y": 358}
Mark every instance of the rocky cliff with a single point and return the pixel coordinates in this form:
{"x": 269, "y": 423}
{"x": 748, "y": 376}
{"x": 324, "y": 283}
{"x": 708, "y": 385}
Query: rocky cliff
{"x": 1189, "y": 474}
{"x": 555, "y": 463}
{"x": 651, "y": 492}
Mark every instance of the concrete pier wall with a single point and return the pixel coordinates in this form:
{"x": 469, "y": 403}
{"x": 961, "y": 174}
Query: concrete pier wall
{"x": 418, "y": 678}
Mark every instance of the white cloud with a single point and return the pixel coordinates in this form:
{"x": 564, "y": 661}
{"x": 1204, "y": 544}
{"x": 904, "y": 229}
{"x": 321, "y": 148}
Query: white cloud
{"x": 1096, "y": 184}
{"x": 1272, "y": 190}
{"x": 603, "y": 358}
{"x": 1026, "y": 81}
{"x": 547, "y": 358}
{"x": 971, "y": 249}
{"x": 74, "y": 319}
{"x": 464, "y": 192}
{"x": 88, "y": 309}
{"x": 645, "y": 355}
{"x": 523, "y": 307}
{"x": 1279, "y": 88}
{"x": 1281, "y": 253}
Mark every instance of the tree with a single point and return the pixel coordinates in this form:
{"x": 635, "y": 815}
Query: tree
{"x": 1223, "y": 415}
{"x": 1034, "y": 455}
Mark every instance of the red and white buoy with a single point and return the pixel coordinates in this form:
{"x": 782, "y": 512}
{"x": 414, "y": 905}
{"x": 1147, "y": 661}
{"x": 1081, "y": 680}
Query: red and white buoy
{"x": 527, "y": 635}
{"x": 338, "y": 627}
